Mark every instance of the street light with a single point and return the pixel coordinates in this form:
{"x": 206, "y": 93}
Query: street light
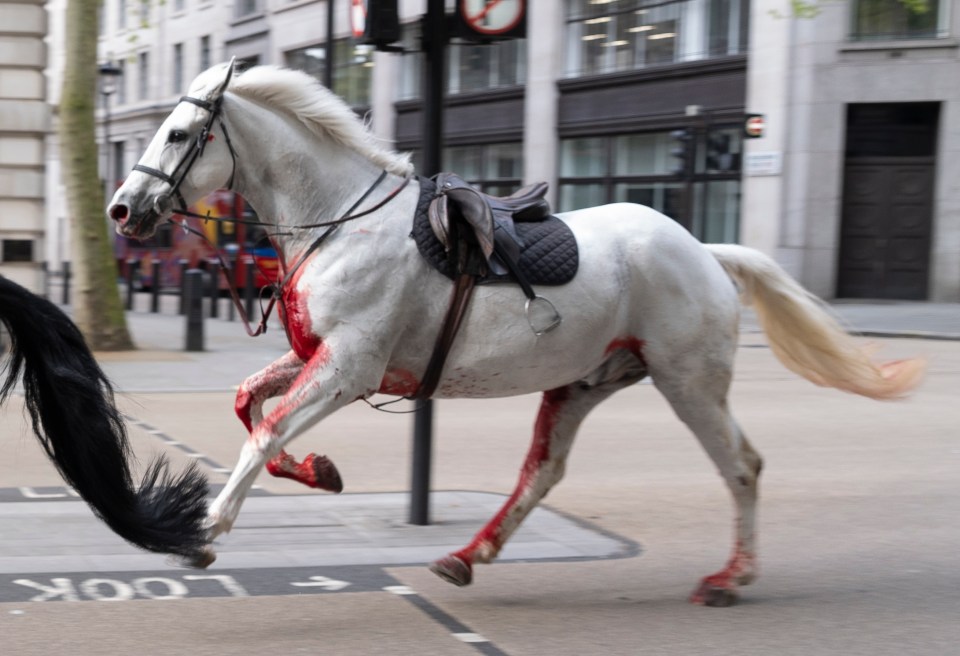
{"x": 109, "y": 76}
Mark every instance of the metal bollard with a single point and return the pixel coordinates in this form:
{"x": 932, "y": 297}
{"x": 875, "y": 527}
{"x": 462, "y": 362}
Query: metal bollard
{"x": 183, "y": 287}
{"x": 65, "y": 290}
{"x": 155, "y": 288}
{"x": 214, "y": 289}
{"x": 231, "y": 311}
{"x": 193, "y": 292}
{"x": 132, "y": 266}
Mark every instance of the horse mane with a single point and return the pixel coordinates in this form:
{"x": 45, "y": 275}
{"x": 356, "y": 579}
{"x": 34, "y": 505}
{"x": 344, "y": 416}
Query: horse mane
{"x": 316, "y": 107}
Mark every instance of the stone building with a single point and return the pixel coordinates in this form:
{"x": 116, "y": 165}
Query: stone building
{"x": 850, "y": 186}
{"x": 24, "y": 123}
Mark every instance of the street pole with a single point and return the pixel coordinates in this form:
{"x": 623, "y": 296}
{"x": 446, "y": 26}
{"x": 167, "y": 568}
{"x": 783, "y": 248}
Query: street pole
{"x": 435, "y": 38}
{"x": 328, "y": 59}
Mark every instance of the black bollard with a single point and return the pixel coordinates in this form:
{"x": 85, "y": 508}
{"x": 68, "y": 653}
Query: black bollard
{"x": 193, "y": 302}
{"x": 65, "y": 279}
{"x": 155, "y": 288}
{"x": 214, "y": 289}
{"x": 132, "y": 266}
{"x": 231, "y": 311}
{"x": 183, "y": 287}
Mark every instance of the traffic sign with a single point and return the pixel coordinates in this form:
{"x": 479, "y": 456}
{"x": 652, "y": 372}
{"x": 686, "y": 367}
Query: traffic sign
{"x": 754, "y": 126}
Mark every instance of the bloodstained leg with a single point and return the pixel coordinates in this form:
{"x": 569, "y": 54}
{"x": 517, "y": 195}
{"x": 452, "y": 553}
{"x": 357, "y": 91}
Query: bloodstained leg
{"x": 704, "y": 410}
{"x": 561, "y": 412}
{"x": 315, "y": 471}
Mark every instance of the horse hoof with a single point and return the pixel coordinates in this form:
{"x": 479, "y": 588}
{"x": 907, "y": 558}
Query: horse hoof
{"x": 453, "y": 570}
{"x": 714, "y": 597}
{"x": 201, "y": 559}
{"x": 325, "y": 474}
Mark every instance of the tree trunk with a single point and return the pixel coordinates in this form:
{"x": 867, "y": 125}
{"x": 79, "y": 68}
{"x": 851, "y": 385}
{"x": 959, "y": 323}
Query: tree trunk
{"x": 98, "y": 309}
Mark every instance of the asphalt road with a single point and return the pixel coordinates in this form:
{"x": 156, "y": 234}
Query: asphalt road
{"x": 858, "y": 533}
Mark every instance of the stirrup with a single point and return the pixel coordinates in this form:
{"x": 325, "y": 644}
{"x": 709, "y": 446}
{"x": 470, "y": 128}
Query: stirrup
{"x": 551, "y": 317}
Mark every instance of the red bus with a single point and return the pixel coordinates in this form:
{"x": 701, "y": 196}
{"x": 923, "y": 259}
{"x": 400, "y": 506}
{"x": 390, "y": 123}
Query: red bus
{"x": 237, "y": 243}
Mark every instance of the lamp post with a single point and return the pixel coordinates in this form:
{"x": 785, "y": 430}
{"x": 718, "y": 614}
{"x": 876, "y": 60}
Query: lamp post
{"x": 109, "y": 75}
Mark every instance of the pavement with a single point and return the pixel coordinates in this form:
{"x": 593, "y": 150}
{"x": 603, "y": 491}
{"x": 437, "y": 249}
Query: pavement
{"x": 858, "y": 536}
{"x": 230, "y": 355}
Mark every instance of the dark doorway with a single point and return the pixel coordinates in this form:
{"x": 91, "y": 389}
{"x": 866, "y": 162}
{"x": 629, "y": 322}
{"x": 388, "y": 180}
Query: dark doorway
{"x": 887, "y": 211}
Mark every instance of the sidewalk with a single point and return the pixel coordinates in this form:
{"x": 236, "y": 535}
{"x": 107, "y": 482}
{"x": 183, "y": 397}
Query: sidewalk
{"x": 161, "y": 364}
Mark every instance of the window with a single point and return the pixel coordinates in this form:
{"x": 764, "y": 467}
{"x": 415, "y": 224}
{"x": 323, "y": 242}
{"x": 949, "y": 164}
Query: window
{"x": 122, "y": 83}
{"x": 119, "y": 168}
{"x": 17, "y": 250}
{"x": 244, "y": 8}
{"x": 143, "y": 76}
{"x": 352, "y": 68}
{"x": 179, "y": 5}
{"x": 121, "y": 14}
{"x": 897, "y": 19}
{"x": 493, "y": 168}
{"x": 623, "y": 35}
{"x": 470, "y": 67}
{"x": 177, "y": 68}
{"x": 638, "y": 168}
{"x": 204, "y": 53}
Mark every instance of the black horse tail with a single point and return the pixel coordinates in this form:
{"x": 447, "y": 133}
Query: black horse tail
{"x": 70, "y": 402}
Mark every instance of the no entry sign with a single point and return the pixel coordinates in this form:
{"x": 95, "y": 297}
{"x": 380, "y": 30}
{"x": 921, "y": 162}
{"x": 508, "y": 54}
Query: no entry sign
{"x": 754, "y": 126}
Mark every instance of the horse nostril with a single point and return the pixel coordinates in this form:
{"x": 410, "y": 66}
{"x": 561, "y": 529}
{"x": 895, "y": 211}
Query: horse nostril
{"x": 118, "y": 212}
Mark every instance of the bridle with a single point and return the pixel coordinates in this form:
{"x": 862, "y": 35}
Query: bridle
{"x": 190, "y": 157}
{"x": 179, "y": 174}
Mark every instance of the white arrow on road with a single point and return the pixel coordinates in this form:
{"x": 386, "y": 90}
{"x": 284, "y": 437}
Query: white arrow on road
{"x": 322, "y": 582}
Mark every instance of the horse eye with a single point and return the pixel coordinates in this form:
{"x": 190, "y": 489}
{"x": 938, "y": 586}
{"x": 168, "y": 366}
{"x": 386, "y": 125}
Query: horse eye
{"x": 176, "y": 136}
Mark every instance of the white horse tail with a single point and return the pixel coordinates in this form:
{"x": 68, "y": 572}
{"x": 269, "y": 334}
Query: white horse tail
{"x": 805, "y": 336}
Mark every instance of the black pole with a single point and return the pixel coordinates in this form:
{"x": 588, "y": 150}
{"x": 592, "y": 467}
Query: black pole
{"x": 435, "y": 39}
{"x": 328, "y": 62}
{"x": 132, "y": 266}
{"x": 155, "y": 288}
{"x": 193, "y": 281}
{"x": 65, "y": 277}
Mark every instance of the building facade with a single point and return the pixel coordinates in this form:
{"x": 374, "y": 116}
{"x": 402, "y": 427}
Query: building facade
{"x": 850, "y": 186}
{"x": 24, "y": 123}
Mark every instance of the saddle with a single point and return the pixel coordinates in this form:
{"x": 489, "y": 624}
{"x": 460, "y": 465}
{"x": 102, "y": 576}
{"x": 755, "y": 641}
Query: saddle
{"x": 491, "y": 218}
{"x": 476, "y": 238}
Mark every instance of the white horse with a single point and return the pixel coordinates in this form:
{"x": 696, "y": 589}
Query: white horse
{"x": 363, "y": 309}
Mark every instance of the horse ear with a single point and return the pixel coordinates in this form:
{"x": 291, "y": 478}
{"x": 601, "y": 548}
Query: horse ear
{"x": 226, "y": 81}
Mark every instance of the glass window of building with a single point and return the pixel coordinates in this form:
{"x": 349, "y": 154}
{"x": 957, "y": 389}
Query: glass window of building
{"x": 352, "y": 68}
{"x": 470, "y": 67}
{"x": 492, "y": 168}
{"x": 143, "y": 76}
{"x": 177, "y": 77}
{"x": 204, "y": 53}
{"x": 244, "y": 8}
{"x": 624, "y": 35}
{"x": 639, "y": 168}
{"x": 897, "y": 19}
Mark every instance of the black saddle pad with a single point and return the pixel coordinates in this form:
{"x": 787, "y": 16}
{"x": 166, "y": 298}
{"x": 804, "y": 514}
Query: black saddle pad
{"x": 548, "y": 248}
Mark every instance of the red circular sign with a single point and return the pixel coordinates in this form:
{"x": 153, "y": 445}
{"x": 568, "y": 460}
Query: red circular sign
{"x": 755, "y": 125}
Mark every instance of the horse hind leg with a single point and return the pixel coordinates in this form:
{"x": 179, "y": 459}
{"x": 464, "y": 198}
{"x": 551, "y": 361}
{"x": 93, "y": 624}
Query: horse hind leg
{"x": 701, "y": 404}
{"x": 561, "y": 412}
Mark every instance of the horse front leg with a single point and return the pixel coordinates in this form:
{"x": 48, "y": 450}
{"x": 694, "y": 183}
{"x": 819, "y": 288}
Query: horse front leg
{"x": 561, "y": 412}
{"x": 327, "y": 383}
{"x": 315, "y": 471}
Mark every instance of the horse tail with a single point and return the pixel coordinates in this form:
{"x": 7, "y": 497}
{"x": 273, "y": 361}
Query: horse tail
{"x": 70, "y": 403}
{"x": 805, "y": 336}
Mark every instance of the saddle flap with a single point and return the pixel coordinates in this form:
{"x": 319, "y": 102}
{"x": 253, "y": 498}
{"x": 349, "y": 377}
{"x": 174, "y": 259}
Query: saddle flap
{"x": 476, "y": 212}
{"x": 440, "y": 220}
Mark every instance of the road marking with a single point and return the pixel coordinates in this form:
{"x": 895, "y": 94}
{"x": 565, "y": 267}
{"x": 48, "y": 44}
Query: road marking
{"x": 322, "y": 582}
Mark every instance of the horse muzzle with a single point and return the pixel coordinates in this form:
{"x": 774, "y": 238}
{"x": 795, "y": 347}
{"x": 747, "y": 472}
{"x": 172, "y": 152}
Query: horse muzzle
{"x": 142, "y": 224}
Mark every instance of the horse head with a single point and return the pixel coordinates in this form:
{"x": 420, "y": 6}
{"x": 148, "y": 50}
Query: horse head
{"x": 189, "y": 157}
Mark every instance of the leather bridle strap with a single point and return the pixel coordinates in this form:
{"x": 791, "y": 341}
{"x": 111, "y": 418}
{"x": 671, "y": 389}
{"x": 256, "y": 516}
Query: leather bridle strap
{"x": 190, "y": 157}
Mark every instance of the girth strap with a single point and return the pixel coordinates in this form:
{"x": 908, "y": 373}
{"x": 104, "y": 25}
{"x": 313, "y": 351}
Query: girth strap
{"x": 459, "y": 301}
